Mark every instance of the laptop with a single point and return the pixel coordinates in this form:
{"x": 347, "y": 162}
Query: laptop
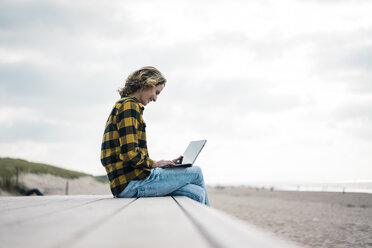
{"x": 190, "y": 155}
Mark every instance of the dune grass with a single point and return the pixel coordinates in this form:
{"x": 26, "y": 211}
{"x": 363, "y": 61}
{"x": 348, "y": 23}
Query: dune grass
{"x": 8, "y": 171}
{"x": 8, "y": 167}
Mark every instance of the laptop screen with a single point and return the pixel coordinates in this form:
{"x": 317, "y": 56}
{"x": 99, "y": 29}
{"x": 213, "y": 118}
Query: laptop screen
{"x": 192, "y": 151}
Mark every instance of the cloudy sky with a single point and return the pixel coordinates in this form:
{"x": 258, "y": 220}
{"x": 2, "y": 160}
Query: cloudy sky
{"x": 282, "y": 90}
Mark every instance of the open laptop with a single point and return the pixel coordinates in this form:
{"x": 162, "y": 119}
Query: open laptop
{"x": 190, "y": 155}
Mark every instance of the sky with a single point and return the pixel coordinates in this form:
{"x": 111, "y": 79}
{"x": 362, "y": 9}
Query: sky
{"x": 282, "y": 90}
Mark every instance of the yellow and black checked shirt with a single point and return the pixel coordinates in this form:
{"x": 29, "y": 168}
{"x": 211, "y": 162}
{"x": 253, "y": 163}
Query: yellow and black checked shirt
{"x": 124, "y": 148}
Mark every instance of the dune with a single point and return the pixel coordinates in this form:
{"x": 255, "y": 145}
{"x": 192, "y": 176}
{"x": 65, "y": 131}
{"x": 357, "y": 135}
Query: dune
{"x": 48, "y": 179}
{"x": 53, "y": 185}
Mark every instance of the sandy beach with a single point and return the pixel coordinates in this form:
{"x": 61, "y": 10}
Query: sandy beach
{"x": 311, "y": 219}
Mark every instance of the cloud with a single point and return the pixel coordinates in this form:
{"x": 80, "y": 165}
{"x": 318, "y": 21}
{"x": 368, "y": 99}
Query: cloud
{"x": 360, "y": 110}
{"x": 30, "y": 124}
{"x": 245, "y": 95}
{"x": 36, "y": 131}
{"x": 272, "y": 81}
{"x": 23, "y": 80}
{"x": 344, "y": 58}
{"x": 42, "y": 22}
{"x": 343, "y": 50}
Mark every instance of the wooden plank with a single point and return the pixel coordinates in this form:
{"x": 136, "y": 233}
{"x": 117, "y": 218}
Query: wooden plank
{"x": 25, "y": 209}
{"x": 148, "y": 222}
{"x": 223, "y": 230}
{"x": 60, "y": 228}
{"x": 19, "y": 202}
{"x": 8, "y": 203}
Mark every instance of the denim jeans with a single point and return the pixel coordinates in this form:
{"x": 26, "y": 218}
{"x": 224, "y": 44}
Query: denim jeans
{"x": 170, "y": 182}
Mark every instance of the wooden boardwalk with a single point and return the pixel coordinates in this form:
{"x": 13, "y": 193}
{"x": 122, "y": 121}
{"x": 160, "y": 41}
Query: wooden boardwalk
{"x": 102, "y": 221}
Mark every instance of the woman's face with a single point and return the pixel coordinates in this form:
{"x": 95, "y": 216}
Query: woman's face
{"x": 147, "y": 95}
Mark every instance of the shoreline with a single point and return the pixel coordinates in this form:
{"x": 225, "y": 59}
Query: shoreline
{"x": 305, "y": 187}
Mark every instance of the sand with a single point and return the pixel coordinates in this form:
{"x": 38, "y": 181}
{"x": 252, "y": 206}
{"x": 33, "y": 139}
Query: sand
{"x": 311, "y": 219}
{"x": 4, "y": 193}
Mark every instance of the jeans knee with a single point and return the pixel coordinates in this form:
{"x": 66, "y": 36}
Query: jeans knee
{"x": 197, "y": 171}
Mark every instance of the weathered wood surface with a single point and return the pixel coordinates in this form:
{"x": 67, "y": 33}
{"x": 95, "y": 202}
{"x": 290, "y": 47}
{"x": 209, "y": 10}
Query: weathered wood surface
{"x": 102, "y": 221}
{"x": 148, "y": 222}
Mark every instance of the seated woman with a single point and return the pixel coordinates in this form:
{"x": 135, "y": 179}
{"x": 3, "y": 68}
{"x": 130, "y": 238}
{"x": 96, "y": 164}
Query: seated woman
{"x": 124, "y": 148}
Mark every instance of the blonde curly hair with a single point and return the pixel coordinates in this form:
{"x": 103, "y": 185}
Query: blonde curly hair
{"x": 144, "y": 78}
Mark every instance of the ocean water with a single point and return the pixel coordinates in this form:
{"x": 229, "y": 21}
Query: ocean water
{"x": 355, "y": 187}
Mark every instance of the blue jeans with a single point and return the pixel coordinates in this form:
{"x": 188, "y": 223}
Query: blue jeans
{"x": 172, "y": 182}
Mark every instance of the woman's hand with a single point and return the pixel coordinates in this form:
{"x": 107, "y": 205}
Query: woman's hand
{"x": 162, "y": 163}
{"x": 177, "y": 160}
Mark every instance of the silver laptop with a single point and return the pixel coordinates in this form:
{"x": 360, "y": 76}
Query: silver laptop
{"x": 190, "y": 155}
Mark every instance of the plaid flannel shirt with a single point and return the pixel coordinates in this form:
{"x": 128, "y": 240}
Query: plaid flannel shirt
{"x": 124, "y": 148}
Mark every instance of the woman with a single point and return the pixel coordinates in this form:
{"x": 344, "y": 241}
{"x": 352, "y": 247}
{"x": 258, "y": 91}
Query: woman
{"x": 124, "y": 148}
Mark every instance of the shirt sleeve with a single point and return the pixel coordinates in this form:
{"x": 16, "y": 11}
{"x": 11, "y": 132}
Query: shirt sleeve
{"x": 128, "y": 121}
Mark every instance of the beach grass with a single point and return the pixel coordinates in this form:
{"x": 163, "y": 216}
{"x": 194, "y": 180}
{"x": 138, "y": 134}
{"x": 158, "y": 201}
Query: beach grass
{"x": 9, "y": 166}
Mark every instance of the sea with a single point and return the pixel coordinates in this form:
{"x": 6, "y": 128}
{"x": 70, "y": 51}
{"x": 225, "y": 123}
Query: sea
{"x": 345, "y": 187}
